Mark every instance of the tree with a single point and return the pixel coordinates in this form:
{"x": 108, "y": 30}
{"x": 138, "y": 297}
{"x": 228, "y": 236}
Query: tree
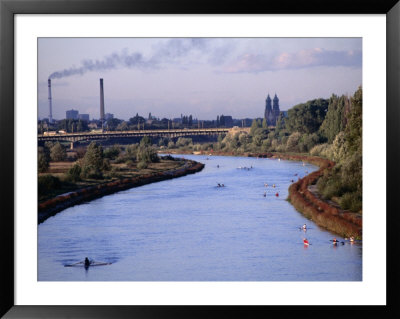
{"x": 43, "y": 159}
{"x": 264, "y": 123}
{"x": 293, "y": 141}
{"x": 280, "y": 122}
{"x": 353, "y": 130}
{"x": 335, "y": 117}
{"x": 136, "y": 120}
{"x": 146, "y": 154}
{"x": 145, "y": 141}
{"x": 254, "y": 126}
{"x": 58, "y": 153}
{"x": 93, "y": 161}
{"x": 345, "y": 180}
{"x": 123, "y": 126}
{"x": 113, "y": 123}
{"x": 74, "y": 173}
{"x": 306, "y": 117}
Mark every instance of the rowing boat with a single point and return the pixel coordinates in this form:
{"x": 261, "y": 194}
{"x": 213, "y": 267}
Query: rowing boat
{"x": 92, "y": 263}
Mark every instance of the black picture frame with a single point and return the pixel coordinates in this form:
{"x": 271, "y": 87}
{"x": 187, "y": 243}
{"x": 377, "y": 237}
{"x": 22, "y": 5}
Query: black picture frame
{"x": 9, "y": 8}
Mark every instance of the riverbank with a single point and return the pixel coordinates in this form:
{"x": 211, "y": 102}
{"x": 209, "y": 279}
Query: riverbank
{"x": 306, "y": 199}
{"x": 52, "y": 206}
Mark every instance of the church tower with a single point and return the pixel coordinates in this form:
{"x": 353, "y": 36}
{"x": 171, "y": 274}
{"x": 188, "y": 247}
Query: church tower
{"x": 268, "y": 110}
{"x": 275, "y": 108}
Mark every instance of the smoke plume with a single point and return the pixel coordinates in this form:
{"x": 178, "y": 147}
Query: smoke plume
{"x": 165, "y": 53}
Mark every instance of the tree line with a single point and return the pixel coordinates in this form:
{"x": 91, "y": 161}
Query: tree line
{"x": 330, "y": 128}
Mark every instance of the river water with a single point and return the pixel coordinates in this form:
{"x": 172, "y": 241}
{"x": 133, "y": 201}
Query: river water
{"x": 188, "y": 229}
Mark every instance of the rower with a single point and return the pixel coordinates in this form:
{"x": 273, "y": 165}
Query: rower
{"x": 87, "y": 262}
{"x": 277, "y": 194}
{"x": 335, "y": 241}
{"x": 265, "y": 194}
{"x": 305, "y": 241}
{"x": 351, "y": 239}
{"x": 304, "y": 227}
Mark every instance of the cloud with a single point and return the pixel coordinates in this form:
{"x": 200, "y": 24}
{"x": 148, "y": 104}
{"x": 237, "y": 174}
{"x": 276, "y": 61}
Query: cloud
{"x": 254, "y": 63}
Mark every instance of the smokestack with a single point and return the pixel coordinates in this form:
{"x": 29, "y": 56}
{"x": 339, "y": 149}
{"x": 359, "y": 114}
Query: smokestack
{"x": 50, "y": 107}
{"x": 101, "y": 100}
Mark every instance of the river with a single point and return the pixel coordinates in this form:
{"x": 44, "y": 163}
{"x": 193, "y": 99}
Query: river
{"x": 189, "y": 229}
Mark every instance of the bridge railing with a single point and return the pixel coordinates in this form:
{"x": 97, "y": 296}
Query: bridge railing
{"x": 56, "y": 135}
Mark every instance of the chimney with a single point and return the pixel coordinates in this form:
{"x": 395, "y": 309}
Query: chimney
{"x": 101, "y": 101}
{"x": 50, "y": 107}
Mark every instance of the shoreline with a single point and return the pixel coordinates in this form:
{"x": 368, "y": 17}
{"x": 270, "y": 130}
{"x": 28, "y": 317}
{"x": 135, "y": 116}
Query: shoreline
{"x": 334, "y": 219}
{"x": 55, "y": 205}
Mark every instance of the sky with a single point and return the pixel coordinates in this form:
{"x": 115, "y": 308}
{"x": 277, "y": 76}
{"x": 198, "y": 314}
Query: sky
{"x": 202, "y": 77}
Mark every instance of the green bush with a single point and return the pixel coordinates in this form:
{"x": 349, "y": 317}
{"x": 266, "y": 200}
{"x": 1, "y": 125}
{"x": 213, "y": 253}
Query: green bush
{"x": 90, "y": 171}
{"x": 43, "y": 159}
{"x": 74, "y": 173}
{"x": 142, "y": 165}
{"x": 351, "y": 201}
{"x": 112, "y": 152}
{"x": 47, "y": 183}
{"x": 58, "y": 153}
{"x": 147, "y": 154}
{"x": 183, "y": 141}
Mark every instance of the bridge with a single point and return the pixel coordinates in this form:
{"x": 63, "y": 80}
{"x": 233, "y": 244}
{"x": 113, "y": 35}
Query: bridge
{"x": 102, "y": 135}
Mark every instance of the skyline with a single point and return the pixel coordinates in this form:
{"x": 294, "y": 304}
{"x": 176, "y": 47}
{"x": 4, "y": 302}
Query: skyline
{"x": 204, "y": 77}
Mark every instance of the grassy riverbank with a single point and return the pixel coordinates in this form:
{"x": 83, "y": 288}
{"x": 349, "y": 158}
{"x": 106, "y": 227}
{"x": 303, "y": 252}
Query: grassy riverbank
{"x": 69, "y": 194}
{"x": 119, "y": 171}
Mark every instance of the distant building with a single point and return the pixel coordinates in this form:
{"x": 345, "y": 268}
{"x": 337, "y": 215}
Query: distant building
{"x": 108, "y": 116}
{"x": 72, "y": 115}
{"x": 92, "y": 125}
{"x": 177, "y": 120}
{"x": 225, "y": 121}
{"x": 83, "y": 117}
{"x": 271, "y": 113}
{"x": 228, "y": 121}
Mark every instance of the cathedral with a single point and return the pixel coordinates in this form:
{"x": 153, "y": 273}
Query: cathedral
{"x": 271, "y": 111}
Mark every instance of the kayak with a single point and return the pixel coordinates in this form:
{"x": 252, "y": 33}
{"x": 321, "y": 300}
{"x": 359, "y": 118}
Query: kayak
{"x": 93, "y": 263}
